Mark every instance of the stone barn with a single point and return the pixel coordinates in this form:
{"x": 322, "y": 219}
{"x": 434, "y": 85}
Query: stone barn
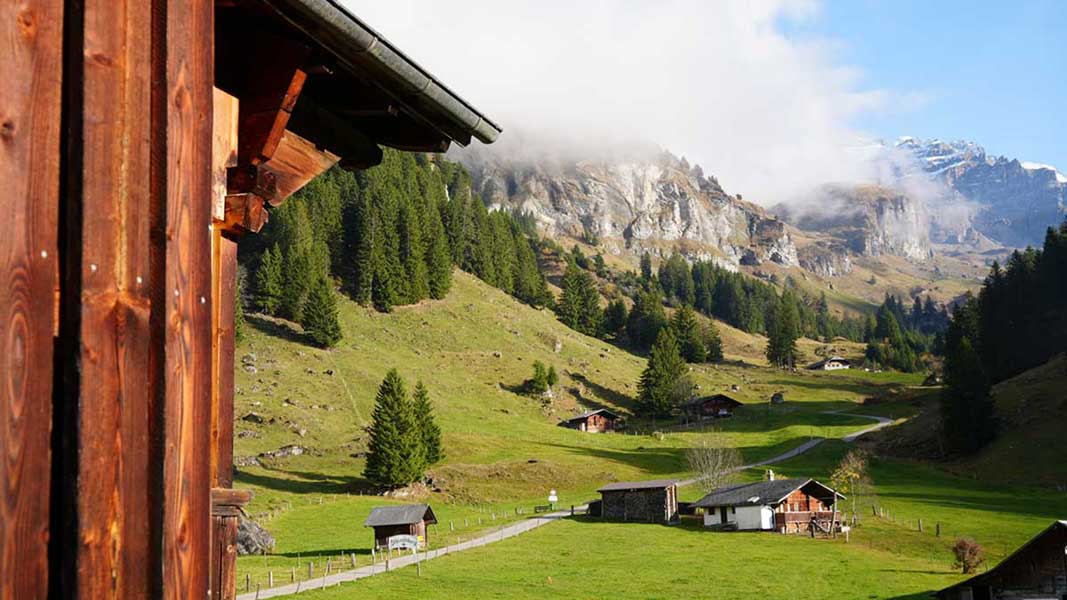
{"x": 596, "y": 421}
{"x": 1036, "y": 570}
{"x": 408, "y": 519}
{"x": 646, "y": 501}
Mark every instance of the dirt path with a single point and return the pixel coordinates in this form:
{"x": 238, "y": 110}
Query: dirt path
{"x": 517, "y": 528}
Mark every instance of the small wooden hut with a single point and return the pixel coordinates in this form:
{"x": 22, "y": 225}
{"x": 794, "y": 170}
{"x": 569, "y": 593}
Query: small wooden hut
{"x": 709, "y": 407}
{"x": 653, "y": 501}
{"x": 407, "y": 519}
{"x": 595, "y": 421}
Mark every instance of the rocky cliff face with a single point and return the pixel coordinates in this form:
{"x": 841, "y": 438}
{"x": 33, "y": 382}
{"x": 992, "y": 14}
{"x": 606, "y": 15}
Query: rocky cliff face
{"x": 655, "y": 204}
{"x": 1013, "y": 201}
{"x": 867, "y": 220}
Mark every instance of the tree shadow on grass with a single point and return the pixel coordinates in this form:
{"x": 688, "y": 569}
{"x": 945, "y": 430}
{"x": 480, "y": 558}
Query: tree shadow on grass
{"x": 276, "y": 328}
{"x": 303, "y": 482}
{"x": 602, "y": 392}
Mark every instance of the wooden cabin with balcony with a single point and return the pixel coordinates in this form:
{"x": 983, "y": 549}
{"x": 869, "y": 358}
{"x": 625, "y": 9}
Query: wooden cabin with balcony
{"x": 139, "y": 141}
{"x": 781, "y": 505}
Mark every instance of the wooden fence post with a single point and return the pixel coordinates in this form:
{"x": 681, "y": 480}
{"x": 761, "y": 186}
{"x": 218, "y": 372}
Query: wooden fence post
{"x": 292, "y": 574}
{"x": 572, "y": 510}
{"x": 938, "y": 529}
{"x": 920, "y": 525}
{"x": 248, "y": 582}
{"x": 311, "y": 569}
{"x": 353, "y": 560}
{"x": 270, "y": 579}
{"x": 451, "y": 526}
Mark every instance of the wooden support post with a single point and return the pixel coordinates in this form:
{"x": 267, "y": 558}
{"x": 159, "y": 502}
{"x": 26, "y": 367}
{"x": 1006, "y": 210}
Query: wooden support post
{"x": 937, "y": 529}
{"x": 31, "y": 67}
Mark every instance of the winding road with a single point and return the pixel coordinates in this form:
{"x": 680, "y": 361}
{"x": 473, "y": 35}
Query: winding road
{"x": 520, "y": 527}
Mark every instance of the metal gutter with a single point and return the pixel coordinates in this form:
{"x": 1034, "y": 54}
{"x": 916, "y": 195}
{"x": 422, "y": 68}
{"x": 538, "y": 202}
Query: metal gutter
{"x": 354, "y": 42}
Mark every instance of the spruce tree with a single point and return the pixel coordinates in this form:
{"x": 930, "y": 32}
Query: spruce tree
{"x": 552, "y": 378}
{"x": 429, "y": 432}
{"x": 412, "y": 255}
{"x": 579, "y": 304}
{"x": 646, "y": 319}
{"x": 664, "y": 383}
{"x": 687, "y": 331}
{"x": 713, "y": 343}
{"x": 783, "y": 330}
{"x": 395, "y": 454}
{"x": 538, "y": 383}
{"x": 269, "y": 280}
{"x": 296, "y": 280}
{"x": 319, "y": 316}
{"x": 438, "y": 256}
{"x": 615, "y": 319}
{"x": 646, "y": 267}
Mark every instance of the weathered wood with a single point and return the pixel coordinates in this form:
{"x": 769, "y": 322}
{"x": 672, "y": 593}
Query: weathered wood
{"x": 116, "y": 391}
{"x": 30, "y": 67}
{"x": 295, "y": 163}
{"x": 268, "y": 98}
{"x": 225, "y": 120}
{"x": 245, "y": 213}
{"x": 189, "y": 77}
{"x": 229, "y": 497}
{"x": 225, "y": 281}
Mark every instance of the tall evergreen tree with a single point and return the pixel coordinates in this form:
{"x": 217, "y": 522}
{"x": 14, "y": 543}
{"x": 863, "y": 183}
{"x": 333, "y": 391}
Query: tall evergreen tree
{"x": 395, "y": 454}
{"x": 438, "y": 257}
{"x": 319, "y": 315}
{"x": 690, "y": 339}
{"x": 646, "y": 267}
{"x": 646, "y": 319}
{"x": 783, "y": 330}
{"x": 713, "y": 343}
{"x": 664, "y": 383}
{"x": 615, "y": 318}
{"x": 967, "y": 410}
{"x": 429, "y": 432}
{"x": 579, "y": 304}
{"x": 269, "y": 280}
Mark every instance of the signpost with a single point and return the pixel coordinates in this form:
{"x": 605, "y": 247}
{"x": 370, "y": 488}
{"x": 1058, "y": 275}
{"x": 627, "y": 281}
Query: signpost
{"x": 406, "y": 542}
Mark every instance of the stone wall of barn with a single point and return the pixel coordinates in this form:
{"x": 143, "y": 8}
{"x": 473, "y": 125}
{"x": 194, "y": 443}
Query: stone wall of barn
{"x": 650, "y": 505}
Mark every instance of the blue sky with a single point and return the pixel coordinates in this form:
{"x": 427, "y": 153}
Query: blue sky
{"x": 992, "y": 72}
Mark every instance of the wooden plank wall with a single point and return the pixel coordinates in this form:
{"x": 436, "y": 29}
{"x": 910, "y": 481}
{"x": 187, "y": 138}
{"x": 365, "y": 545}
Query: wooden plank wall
{"x": 117, "y": 390}
{"x": 187, "y": 285}
{"x": 30, "y": 105}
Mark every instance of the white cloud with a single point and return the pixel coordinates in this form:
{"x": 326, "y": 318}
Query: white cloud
{"x": 715, "y": 81}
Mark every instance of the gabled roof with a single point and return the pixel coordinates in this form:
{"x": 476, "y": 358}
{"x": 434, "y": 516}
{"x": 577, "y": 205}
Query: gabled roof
{"x": 1056, "y": 527}
{"x": 757, "y": 494}
{"x": 586, "y": 415}
{"x": 405, "y": 514}
{"x": 653, "y": 484}
{"x": 819, "y": 364}
{"x": 720, "y": 397}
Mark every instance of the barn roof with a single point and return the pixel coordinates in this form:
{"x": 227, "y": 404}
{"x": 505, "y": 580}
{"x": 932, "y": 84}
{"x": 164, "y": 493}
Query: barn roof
{"x": 653, "y": 484}
{"x": 703, "y": 399}
{"x": 757, "y": 494}
{"x": 1057, "y": 527}
{"x": 405, "y": 514}
{"x": 821, "y": 363}
{"x": 586, "y": 415}
{"x": 358, "y": 83}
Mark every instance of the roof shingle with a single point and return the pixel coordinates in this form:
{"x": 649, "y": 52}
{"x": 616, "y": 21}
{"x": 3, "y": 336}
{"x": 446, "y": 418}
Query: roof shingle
{"x": 405, "y": 514}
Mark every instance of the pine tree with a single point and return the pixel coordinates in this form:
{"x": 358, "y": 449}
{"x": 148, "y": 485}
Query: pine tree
{"x": 646, "y": 319}
{"x": 551, "y": 378}
{"x": 412, "y": 255}
{"x": 646, "y": 267}
{"x": 296, "y": 279}
{"x": 579, "y": 304}
{"x": 687, "y": 331}
{"x": 783, "y": 330}
{"x": 438, "y": 257}
{"x": 429, "y": 432}
{"x": 664, "y": 383}
{"x": 615, "y": 319}
{"x": 538, "y": 384}
{"x": 395, "y": 455}
{"x": 967, "y": 409}
{"x": 319, "y": 315}
{"x": 713, "y": 343}
{"x": 269, "y": 280}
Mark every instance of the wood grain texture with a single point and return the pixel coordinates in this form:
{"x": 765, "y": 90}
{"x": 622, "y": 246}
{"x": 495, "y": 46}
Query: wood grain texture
{"x": 223, "y": 147}
{"x": 116, "y": 399}
{"x": 187, "y": 369}
{"x": 30, "y": 67}
{"x": 222, "y": 428}
{"x": 295, "y": 163}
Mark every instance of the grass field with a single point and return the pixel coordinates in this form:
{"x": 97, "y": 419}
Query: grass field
{"x": 505, "y": 451}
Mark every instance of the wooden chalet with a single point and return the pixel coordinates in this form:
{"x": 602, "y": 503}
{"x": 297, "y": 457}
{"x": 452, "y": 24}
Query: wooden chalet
{"x": 596, "y": 421}
{"x": 782, "y": 505}
{"x": 1036, "y": 570}
{"x": 138, "y": 142}
{"x": 408, "y": 519}
{"x": 647, "y": 501}
{"x": 832, "y": 363}
{"x": 709, "y": 407}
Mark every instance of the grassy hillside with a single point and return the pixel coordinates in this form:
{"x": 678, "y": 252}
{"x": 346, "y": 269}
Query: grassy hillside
{"x": 505, "y": 450}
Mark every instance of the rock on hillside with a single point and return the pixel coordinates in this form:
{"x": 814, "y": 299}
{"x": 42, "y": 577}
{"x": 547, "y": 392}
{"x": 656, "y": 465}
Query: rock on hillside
{"x": 868, "y": 220}
{"x": 655, "y": 204}
{"x": 1015, "y": 201}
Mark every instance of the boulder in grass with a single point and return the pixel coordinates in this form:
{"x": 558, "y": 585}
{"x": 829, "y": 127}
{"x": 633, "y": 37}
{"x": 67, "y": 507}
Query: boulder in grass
{"x": 251, "y": 538}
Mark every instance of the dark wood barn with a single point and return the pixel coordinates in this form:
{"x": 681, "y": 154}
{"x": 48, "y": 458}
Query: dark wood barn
{"x": 783, "y": 505}
{"x": 138, "y": 142}
{"x": 709, "y": 407}
{"x": 409, "y": 519}
{"x": 596, "y": 421}
{"x": 1036, "y": 570}
{"x": 648, "y": 501}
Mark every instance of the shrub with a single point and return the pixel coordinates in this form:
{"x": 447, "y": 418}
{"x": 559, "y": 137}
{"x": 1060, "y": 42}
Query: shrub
{"x": 969, "y": 555}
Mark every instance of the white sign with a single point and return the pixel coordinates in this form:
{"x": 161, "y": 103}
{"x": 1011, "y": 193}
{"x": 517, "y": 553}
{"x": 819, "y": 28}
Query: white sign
{"x": 552, "y": 496}
{"x": 403, "y": 542}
